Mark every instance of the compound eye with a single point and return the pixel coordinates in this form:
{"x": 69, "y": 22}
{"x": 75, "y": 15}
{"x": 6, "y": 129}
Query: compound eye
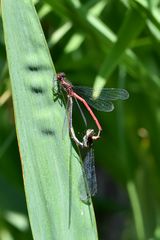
{"x": 60, "y": 76}
{"x": 63, "y": 74}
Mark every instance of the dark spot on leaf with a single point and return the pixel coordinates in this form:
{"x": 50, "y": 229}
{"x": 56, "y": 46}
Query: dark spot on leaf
{"x": 37, "y": 90}
{"x": 48, "y": 132}
{"x": 37, "y": 68}
{"x": 33, "y": 68}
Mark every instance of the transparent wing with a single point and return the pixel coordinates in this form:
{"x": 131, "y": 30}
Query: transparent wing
{"x": 107, "y": 94}
{"x": 89, "y": 169}
{"x": 103, "y": 103}
{"x": 88, "y": 182}
{"x": 82, "y": 114}
{"x": 100, "y": 105}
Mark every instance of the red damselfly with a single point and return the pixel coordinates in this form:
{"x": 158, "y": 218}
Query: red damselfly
{"x": 84, "y": 95}
{"x": 103, "y": 103}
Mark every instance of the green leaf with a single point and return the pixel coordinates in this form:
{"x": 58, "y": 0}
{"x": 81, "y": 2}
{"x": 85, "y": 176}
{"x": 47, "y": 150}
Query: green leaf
{"x": 132, "y": 26}
{"x": 51, "y": 167}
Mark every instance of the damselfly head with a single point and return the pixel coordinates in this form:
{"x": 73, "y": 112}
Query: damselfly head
{"x": 61, "y": 76}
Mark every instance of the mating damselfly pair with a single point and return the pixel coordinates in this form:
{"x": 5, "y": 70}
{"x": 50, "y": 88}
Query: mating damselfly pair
{"x": 102, "y": 103}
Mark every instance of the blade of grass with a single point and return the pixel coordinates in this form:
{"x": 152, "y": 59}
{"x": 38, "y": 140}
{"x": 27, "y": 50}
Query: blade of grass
{"x": 132, "y": 26}
{"x": 54, "y": 205}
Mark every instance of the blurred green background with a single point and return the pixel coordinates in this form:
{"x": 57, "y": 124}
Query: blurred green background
{"x": 119, "y": 41}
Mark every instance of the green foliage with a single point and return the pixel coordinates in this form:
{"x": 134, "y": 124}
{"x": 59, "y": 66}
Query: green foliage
{"x": 112, "y": 43}
{"x": 53, "y": 199}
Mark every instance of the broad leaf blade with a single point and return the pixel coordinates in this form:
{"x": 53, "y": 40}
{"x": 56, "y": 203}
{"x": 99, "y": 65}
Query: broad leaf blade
{"x": 51, "y": 168}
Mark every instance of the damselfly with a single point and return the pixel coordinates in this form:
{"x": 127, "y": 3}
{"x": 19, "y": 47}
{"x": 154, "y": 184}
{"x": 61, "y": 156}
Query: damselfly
{"x": 84, "y": 95}
{"x": 103, "y": 103}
